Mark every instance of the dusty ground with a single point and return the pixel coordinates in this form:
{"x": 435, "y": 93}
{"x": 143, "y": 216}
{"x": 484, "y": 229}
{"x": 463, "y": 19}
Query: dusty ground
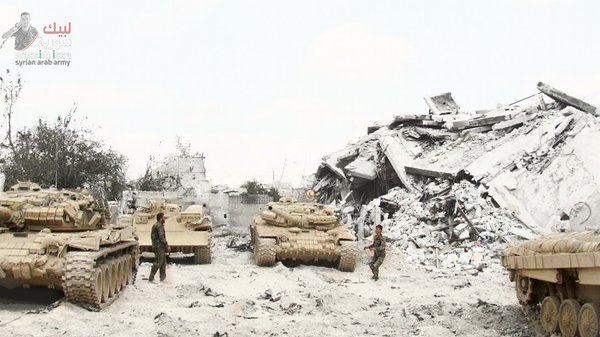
{"x": 232, "y": 297}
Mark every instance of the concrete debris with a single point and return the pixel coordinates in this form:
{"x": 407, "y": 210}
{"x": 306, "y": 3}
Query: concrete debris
{"x": 442, "y": 104}
{"x": 218, "y": 334}
{"x": 362, "y": 168}
{"x": 268, "y": 295}
{"x": 451, "y": 187}
{"x": 527, "y": 235}
{"x": 239, "y": 244}
{"x": 291, "y": 309}
{"x": 397, "y": 153}
{"x": 567, "y": 99}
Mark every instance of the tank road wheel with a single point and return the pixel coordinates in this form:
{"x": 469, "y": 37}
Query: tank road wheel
{"x": 549, "y": 314}
{"x": 117, "y": 274}
{"x": 265, "y": 251}
{"x": 105, "y": 271}
{"x": 97, "y": 281}
{"x": 114, "y": 280}
{"x": 348, "y": 256}
{"x": 128, "y": 269}
{"x": 202, "y": 255}
{"x": 122, "y": 272}
{"x": 569, "y": 310}
{"x": 589, "y": 320}
{"x": 110, "y": 276}
{"x": 524, "y": 288}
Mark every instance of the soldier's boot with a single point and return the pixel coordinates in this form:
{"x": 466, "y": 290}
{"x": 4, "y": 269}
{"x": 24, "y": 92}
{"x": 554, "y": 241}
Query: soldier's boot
{"x": 375, "y": 274}
{"x": 163, "y": 271}
{"x": 152, "y": 273}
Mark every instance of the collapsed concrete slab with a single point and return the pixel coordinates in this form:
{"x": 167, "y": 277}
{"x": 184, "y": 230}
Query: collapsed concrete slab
{"x": 561, "y": 191}
{"x": 442, "y": 104}
{"x": 515, "y": 121}
{"x": 477, "y": 121}
{"x": 506, "y": 153}
{"x": 398, "y": 154}
{"x": 567, "y": 99}
{"x": 362, "y": 168}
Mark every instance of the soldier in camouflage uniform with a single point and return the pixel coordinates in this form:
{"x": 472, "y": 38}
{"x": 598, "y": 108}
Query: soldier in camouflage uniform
{"x": 378, "y": 248}
{"x": 160, "y": 248}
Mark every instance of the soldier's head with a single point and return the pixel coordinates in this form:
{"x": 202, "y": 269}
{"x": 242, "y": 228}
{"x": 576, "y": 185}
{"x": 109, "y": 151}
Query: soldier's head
{"x": 378, "y": 229}
{"x": 160, "y": 217}
{"x": 25, "y": 19}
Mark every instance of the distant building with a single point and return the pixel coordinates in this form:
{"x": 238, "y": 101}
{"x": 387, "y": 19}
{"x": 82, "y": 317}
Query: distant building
{"x": 190, "y": 171}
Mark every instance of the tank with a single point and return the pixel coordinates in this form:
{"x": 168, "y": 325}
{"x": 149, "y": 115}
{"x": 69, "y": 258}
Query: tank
{"x": 292, "y": 231}
{"x": 188, "y": 231}
{"x": 561, "y": 274}
{"x": 63, "y": 239}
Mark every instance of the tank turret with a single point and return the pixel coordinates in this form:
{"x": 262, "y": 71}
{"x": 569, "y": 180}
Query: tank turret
{"x": 289, "y": 213}
{"x": 26, "y": 205}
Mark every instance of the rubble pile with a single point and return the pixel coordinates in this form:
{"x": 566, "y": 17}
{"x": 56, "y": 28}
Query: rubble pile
{"x": 423, "y": 233}
{"x": 451, "y": 188}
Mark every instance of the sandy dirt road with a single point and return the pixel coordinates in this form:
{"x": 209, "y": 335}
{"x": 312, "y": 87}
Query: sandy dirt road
{"x": 233, "y": 297}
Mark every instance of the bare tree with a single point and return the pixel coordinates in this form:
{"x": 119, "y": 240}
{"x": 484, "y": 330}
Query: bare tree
{"x": 10, "y": 89}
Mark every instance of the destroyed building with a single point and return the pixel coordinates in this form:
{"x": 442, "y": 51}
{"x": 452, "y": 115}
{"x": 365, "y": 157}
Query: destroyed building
{"x": 191, "y": 172}
{"x": 512, "y": 172}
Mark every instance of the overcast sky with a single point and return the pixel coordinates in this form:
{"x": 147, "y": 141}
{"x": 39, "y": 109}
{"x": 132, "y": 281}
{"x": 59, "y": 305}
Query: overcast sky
{"x": 262, "y": 85}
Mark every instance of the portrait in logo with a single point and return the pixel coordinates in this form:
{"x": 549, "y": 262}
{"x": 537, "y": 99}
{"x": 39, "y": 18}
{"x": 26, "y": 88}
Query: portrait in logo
{"x": 23, "y": 32}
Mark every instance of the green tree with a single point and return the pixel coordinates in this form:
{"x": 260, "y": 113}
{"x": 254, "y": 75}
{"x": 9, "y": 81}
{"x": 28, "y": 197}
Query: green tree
{"x": 255, "y": 187}
{"x": 274, "y": 193}
{"x": 62, "y": 155}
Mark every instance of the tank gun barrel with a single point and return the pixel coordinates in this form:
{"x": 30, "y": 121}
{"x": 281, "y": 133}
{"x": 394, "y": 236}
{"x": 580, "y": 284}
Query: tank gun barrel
{"x": 301, "y": 220}
{"x": 296, "y": 220}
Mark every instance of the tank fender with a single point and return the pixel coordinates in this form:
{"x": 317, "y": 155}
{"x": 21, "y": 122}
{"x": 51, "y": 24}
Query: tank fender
{"x": 345, "y": 236}
{"x": 265, "y": 232}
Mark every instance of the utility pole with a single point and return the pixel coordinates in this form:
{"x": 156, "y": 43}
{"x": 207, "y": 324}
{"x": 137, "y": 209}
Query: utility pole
{"x": 55, "y": 162}
{"x": 283, "y": 170}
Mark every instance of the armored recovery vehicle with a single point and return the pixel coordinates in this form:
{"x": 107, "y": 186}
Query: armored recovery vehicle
{"x": 560, "y": 272}
{"x": 62, "y": 239}
{"x": 290, "y": 230}
{"x": 188, "y": 232}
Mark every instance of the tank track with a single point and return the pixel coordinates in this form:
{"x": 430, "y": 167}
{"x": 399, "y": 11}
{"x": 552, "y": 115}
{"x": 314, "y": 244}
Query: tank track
{"x": 265, "y": 251}
{"x": 95, "y": 282}
{"x": 348, "y": 256}
{"x": 202, "y": 255}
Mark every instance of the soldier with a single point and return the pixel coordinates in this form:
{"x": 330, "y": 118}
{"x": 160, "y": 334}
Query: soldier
{"x": 160, "y": 248}
{"x": 378, "y": 248}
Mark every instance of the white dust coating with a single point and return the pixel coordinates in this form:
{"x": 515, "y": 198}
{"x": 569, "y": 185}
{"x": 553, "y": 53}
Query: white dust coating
{"x": 233, "y": 296}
